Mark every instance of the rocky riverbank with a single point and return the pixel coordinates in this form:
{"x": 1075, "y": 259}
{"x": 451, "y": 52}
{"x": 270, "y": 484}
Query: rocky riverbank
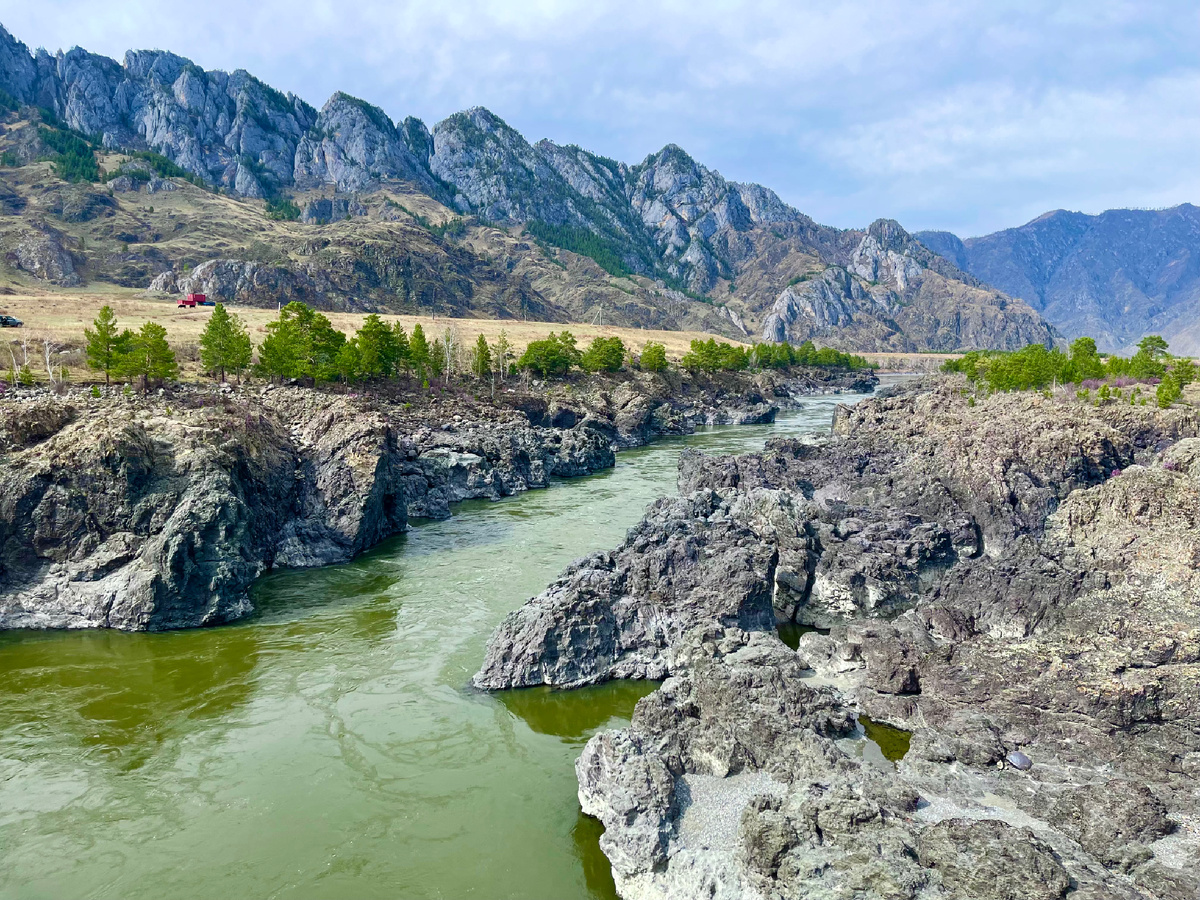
{"x": 1014, "y": 581}
{"x": 154, "y": 513}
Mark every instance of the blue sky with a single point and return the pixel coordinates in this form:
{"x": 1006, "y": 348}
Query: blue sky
{"x": 968, "y": 116}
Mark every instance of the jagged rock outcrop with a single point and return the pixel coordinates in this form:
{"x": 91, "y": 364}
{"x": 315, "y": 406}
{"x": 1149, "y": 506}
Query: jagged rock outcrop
{"x": 41, "y": 254}
{"x": 891, "y": 293}
{"x": 495, "y": 172}
{"x": 238, "y": 281}
{"x": 210, "y": 123}
{"x": 372, "y": 273}
{"x": 1115, "y": 276}
{"x": 353, "y": 145}
{"x": 1014, "y": 580}
{"x": 140, "y": 515}
{"x": 331, "y": 209}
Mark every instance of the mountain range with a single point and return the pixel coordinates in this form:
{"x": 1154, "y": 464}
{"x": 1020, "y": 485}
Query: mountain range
{"x": 465, "y": 217}
{"x": 1115, "y": 276}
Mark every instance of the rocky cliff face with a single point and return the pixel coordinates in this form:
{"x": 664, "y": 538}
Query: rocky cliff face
{"x": 891, "y": 293}
{"x": 158, "y": 513}
{"x": 1013, "y": 582}
{"x": 353, "y": 145}
{"x": 1115, "y": 276}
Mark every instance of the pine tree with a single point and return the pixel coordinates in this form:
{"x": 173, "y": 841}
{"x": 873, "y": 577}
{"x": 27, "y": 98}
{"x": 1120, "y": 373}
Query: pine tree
{"x": 280, "y": 355}
{"x": 349, "y": 362}
{"x": 105, "y": 345}
{"x": 654, "y": 357}
{"x": 241, "y": 350}
{"x": 418, "y": 351}
{"x": 225, "y": 344}
{"x": 301, "y": 343}
{"x": 481, "y": 360}
{"x": 151, "y": 357}
{"x": 377, "y": 352}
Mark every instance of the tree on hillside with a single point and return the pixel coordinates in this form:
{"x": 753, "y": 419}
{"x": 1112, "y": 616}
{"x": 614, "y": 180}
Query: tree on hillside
{"x": 225, "y": 344}
{"x": 418, "y": 352}
{"x": 150, "y": 357}
{"x": 501, "y": 354}
{"x": 604, "y": 354}
{"x": 654, "y": 357}
{"x": 1171, "y": 387}
{"x": 703, "y": 356}
{"x": 1154, "y": 345}
{"x": 348, "y": 362}
{"x": 378, "y": 353}
{"x": 1146, "y": 363}
{"x": 555, "y": 355}
{"x": 481, "y": 359}
{"x": 1085, "y": 361}
{"x": 106, "y": 345}
{"x": 301, "y": 343}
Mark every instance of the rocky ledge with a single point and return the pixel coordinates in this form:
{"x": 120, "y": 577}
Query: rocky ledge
{"x": 154, "y": 513}
{"x": 1014, "y": 581}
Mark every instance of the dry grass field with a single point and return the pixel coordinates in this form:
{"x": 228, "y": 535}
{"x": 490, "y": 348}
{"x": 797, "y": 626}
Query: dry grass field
{"x": 60, "y": 316}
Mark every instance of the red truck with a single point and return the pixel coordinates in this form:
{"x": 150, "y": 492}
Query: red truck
{"x": 194, "y": 300}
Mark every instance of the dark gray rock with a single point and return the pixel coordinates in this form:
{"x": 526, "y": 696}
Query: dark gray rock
{"x": 1000, "y": 593}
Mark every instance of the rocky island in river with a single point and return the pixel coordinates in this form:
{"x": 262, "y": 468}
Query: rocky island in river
{"x": 1012, "y": 579}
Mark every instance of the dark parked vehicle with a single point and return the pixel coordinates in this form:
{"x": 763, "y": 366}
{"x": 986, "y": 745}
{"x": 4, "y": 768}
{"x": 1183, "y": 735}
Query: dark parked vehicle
{"x": 10, "y": 322}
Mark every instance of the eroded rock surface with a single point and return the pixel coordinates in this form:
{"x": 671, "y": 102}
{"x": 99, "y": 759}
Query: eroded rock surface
{"x": 1013, "y": 581}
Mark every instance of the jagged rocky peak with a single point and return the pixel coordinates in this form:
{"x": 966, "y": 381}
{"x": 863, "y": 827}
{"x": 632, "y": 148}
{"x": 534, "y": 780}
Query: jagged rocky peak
{"x": 890, "y": 292}
{"x": 675, "y": 195}
{"x": 598, "y": 178}
{"x": 353, "y": 145}
{"x": 689, "y": 209}
{"x": 885, "y": 255}
{"x": 497, "y": 174}
{"x": 229, "y": 128}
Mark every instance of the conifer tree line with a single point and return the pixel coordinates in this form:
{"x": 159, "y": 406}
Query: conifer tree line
{"x": 302, "y": 344}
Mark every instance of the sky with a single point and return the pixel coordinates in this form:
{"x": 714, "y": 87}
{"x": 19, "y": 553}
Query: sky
{"x": 963, "y": 115}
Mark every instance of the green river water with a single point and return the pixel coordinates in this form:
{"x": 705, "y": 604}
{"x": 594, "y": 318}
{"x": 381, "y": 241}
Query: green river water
{"x": 330, "y": 747}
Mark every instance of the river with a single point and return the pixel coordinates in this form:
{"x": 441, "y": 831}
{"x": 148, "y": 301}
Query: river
{"x": 329, "y": 747}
